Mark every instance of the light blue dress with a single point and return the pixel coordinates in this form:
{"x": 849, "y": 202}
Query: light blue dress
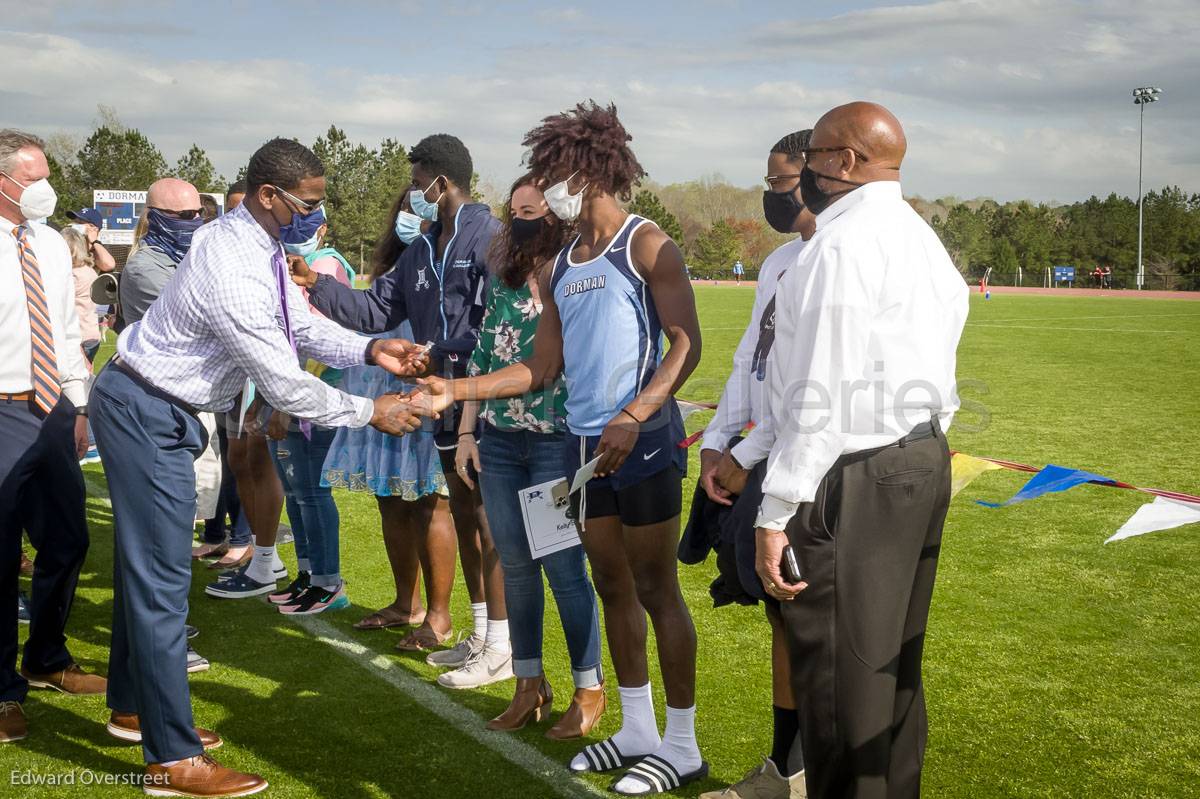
{"x": 364, "y": 459}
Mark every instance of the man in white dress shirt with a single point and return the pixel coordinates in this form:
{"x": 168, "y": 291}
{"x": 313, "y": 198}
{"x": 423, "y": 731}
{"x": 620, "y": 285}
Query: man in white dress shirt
{"x": 229, "y": 313}
{"x": 862, "y": 389}
{"x": 43, "y": 433}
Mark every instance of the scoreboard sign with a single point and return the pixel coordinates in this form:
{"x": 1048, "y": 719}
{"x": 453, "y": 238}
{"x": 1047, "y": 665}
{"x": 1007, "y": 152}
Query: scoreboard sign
{"x": 120, "y": 211}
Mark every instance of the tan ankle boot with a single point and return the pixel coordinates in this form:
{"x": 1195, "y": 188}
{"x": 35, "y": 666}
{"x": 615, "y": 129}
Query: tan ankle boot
{"x": 532, "y": 700}
{"x": 587, "y": 706}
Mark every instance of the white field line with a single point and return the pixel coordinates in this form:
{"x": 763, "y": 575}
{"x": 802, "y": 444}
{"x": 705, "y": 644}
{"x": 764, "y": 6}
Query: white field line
{"x": 1052, "y": 328}
{"x": 1104, "y": 316}
{"x": 552, "y": 773}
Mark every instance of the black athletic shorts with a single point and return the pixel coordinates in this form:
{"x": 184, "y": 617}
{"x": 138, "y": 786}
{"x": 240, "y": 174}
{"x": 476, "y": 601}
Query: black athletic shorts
{"x": 648, "y": 488}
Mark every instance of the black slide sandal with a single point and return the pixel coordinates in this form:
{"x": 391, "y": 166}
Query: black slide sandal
{"x": 605, "y": 756}
{"x": 659, "y": 776}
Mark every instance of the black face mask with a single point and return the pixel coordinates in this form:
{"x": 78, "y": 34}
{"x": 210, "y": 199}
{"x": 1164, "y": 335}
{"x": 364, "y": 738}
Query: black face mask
{"x": 781, "y": 208}
{"x": 526, "y": 230}
{"x": 816, "y": 198}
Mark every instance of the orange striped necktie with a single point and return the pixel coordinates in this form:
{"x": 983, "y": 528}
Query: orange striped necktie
{"x": 44, "y": 367}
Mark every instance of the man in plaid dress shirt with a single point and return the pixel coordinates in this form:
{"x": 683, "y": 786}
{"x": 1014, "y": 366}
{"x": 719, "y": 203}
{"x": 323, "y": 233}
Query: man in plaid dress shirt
{"x": 218, "y": 321}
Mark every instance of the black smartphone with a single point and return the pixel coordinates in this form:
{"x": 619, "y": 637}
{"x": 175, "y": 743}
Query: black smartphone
{"x": 790, "y": 566}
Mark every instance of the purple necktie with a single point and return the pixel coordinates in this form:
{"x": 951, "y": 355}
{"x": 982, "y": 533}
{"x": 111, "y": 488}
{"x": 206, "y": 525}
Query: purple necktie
{"x": 281, "y": 278}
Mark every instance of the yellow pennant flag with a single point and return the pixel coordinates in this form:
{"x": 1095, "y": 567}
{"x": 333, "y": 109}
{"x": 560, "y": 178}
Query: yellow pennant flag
{"x": 965, "y": 468}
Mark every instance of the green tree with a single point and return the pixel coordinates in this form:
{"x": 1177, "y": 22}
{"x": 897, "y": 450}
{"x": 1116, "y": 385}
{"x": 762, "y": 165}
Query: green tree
{"x": 1004, "y": 257}
{"x": 118, "y": 160}
{"x": 195, "y": 168}
{"x": 717, "y": 248}
{"x": 646, "y": 203}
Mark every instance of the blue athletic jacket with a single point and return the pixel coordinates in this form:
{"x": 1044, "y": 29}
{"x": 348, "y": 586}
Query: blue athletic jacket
{"x": 444, "y": 305}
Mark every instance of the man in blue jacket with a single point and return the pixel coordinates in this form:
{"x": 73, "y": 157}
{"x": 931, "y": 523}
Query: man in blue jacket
{"x": 439, "y": 284}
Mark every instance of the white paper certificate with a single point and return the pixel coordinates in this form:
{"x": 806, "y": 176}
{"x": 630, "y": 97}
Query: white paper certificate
{"x": 545, "y": 513}
{"x": 585, "y": 473}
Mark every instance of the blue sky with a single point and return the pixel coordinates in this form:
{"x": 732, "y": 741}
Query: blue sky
{"x": 1022, "y": 98}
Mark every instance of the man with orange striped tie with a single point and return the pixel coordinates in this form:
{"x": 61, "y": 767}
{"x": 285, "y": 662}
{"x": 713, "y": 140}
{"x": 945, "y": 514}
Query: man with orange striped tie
{"x": 43, "y": 433}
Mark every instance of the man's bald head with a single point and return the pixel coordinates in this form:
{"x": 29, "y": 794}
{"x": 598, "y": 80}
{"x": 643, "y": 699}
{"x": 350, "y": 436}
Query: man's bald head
{"x": 872, "y": 138}
{"x": 173, "y": 194}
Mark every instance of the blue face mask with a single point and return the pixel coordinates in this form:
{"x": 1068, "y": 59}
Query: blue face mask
{"x": 421, "y": 206}
{"x": 302, "y": 230}
{"x": 305, "y": 248}
{"x": 408, "y": 226}
{"x": 168, "y": 234}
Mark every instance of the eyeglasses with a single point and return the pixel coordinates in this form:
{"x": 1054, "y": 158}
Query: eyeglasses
{"x": 807, "y": 151}
{"x": 771, "y": 180}
{"x": 303, "y": 206}
{"x": 190, "y": 213}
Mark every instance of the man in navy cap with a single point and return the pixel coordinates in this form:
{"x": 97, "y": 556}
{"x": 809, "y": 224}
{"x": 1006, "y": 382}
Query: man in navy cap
{"x": 90, "y": 220}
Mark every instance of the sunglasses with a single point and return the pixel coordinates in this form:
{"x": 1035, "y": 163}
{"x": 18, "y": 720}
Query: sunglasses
{"x": 190, "y": 213}
{"x": 303, "y": 206}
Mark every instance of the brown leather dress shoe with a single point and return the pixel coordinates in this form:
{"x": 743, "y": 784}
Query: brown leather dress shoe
{"x": 128, "y": 727}
{"x": 532, "y": 700}
{"x": 200, "y": 776}
{"x": 12, "y": 722}
{"x": 72, "y": 680}
{"x": 587, "y": 706}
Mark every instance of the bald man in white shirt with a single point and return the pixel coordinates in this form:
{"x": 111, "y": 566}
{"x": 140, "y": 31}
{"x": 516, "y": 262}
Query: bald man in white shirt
{"x": 43, "y": 433}
{"x": 858, "y": 477}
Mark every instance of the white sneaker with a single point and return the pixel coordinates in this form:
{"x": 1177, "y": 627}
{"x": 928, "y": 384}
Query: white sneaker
{"x": 456, "y": 656}
{"x": 484, "y": 668}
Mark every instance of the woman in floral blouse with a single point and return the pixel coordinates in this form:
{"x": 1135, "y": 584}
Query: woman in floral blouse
{"x": 521, "y": 446}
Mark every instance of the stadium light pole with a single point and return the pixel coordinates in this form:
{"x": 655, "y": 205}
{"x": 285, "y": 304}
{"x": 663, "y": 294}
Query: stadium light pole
{"x": 1141, "y": 98}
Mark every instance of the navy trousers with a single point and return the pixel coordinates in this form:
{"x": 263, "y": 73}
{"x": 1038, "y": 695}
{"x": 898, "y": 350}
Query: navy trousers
{"x": 41, "y": 492}
{"x": 148, "y": 446}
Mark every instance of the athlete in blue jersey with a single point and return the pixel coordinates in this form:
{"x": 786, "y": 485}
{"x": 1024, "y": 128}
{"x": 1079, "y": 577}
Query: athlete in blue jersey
{"x": 614, "y": 294}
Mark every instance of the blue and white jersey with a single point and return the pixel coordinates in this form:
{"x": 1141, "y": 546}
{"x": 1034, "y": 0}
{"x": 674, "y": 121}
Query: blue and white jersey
{"x": 612, "y": 339}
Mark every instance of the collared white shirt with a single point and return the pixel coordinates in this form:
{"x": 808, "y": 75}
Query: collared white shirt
{"x": 866, "y": 331}
{"x": 16, "y": 354}
{"x": 745, "y": 396}
{"x": 218, "y": 321}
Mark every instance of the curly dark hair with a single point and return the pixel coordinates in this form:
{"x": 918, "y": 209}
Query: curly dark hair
{"x": 590, "y": 139}
{"x": 793, "y": 144}
{"x": 514, "y": 263}
{"x": 443, "y": 154}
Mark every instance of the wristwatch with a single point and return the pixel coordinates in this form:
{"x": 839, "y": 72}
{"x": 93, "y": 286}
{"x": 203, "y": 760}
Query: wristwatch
{"x": 81, "y": 411}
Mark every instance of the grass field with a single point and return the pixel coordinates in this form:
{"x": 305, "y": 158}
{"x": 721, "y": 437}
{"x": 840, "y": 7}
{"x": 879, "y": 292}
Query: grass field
{"x": 1055, "y": 666}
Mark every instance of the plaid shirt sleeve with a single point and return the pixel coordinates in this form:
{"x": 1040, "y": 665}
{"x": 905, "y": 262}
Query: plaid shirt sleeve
{"x": 242, "y": 315}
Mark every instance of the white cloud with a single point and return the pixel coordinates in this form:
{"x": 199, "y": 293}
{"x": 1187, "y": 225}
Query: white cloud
{"x": 1028, "y": 98}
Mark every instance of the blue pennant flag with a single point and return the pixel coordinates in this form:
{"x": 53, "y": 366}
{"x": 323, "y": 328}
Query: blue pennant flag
{"x": 1048, "y": 481}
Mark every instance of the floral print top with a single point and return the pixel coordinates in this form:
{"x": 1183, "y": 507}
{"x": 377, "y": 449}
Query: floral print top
{"x": 505, "y": 338}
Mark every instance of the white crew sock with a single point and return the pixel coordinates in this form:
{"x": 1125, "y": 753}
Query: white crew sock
{"x": 496, "y": 638}
{"x": 639, "y": 728}
{"x": 479, "y": 614}
{"x": 262, "y": 565}
{"x": 678, "y": 746}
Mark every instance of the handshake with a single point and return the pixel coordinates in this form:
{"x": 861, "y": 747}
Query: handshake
{"x": 397, "y": 414}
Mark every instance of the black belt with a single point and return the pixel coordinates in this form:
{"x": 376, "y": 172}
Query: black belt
{"x": 924, "y": 430}
{"x": 151, "y": 389}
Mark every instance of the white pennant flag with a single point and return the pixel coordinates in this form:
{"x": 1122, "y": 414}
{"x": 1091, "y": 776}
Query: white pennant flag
{"x": 1161, "y": 514}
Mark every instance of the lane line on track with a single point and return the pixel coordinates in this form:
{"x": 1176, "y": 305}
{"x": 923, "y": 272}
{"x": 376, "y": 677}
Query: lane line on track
{"x": 525, "y": 757}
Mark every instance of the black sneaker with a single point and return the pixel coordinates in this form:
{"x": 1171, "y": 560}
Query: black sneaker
{"x": 190, "y": 631}
{"x": 22, "y": 608}
{"x": 239, "y": 586}
{"x": 295, "y": 588}
{"x": 317, "y": 599}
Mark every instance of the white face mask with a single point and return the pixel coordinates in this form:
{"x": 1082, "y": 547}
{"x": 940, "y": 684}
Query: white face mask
{"x": 565, "y": 205}
{"x": 37, "y": 201}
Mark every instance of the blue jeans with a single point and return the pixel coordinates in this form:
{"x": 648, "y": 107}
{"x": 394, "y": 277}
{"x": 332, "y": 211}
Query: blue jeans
{"x": 311, "y": 509}
{"x": 512, "y": 461}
